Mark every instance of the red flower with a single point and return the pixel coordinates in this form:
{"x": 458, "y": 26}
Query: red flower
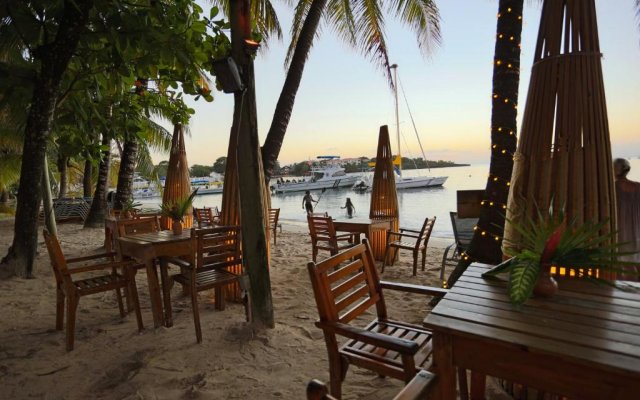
{"x": 551, "y": 245}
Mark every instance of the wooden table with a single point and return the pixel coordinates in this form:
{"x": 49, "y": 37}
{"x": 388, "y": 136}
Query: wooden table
{"x": 148, "y": 247}
{"x": 584, "y": 343}
{"x": 373, "y": 229}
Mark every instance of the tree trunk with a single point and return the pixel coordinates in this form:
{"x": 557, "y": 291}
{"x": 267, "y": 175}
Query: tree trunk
{"x": 254, "y": 237}
{"x": 47, "y": 201}
{"x": 98, "y": 210}
{"x": 63, "y": 170}
{"x": 54, "y": 58}
{"x": 284, "y": 107}
{"x": 125, "y": 175}
{"x": 487, "y": 239}
{"x": 87, "y": 178}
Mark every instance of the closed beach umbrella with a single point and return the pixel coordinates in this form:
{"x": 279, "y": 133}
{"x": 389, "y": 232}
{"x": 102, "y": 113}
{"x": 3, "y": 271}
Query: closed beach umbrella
{"x": 384, "y": 199}
{"x": 177, "y": 185}
{"x": 563, "y": 158}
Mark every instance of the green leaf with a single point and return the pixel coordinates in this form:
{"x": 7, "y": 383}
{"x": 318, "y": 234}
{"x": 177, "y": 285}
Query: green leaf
{"x": 521, "y": 281}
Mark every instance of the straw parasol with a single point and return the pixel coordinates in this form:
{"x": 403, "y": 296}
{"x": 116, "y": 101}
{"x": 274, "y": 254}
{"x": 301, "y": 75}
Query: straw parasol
{"x": 177, "y": 185}
{"x": 384, "y": 199}
{"x": 563, "y": 158}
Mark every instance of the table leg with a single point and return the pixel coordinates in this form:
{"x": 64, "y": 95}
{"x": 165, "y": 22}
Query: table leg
{"x": 166, "y": 295}
{"x": 478, "y": 385}
{"x": 154, "y": 292}
{"x": 443, "y": 366}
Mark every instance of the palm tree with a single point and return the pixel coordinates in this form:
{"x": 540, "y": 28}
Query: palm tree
{"x": 486, "y": 242}
{"x": 361, "y": 24}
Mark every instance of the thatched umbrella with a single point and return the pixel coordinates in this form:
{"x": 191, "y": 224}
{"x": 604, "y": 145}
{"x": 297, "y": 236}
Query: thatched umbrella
{"x": 384, "y": 199}
{"x": 563, "y": 158}
{"x": 177, "y": 185}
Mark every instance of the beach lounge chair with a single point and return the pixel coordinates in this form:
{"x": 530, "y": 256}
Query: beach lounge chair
{"x": 410, "y": 239}
{"x": 345, "y": 287}
{"x": 274, "y": 214}
{"x": 215, "y": 250}
{"x": 462, "y": 235}
{"x": 324, "y": 236}
{"x": 70, "y": 290}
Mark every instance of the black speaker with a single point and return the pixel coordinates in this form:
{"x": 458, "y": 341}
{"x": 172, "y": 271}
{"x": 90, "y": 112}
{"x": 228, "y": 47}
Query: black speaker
{"x": 227, "y": 73}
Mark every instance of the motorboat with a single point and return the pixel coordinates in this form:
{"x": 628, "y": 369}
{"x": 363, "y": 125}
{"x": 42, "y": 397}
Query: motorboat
{"x": 328, "y": 174}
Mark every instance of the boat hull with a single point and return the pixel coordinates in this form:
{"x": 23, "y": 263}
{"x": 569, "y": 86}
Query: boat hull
{"x": 343, "y": 182}
{"x": 420, "y": 182}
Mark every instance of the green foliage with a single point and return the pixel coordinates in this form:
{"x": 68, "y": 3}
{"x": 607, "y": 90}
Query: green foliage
{"x": 220, "y": 165}
{"x": 554, "y": 241}
{"x": 197, "y": 170}
{"x": 131, "y": 205}
{"x": 178, "y": 209}
{"x": 162, "y": 168}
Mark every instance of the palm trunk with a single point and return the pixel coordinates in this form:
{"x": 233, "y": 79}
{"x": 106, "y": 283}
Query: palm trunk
{"x": 87, "y": 178}
{"x": 47, "y": 201}
{"x": 125, "y": 175}
{"x": 284, "y": 107}
{"x": 63, "y": 170}
{"x": 98, "y": 210}
{"x": 506, "y": 76}
{"x": 54, "y": 58}
{"x": 254, "y": 237}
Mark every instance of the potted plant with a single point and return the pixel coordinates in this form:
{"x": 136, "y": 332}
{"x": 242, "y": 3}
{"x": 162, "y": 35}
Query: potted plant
{"x": 546, "y": 242}
{"x": 177, "y": 210}
{"x": 130, "y": 208}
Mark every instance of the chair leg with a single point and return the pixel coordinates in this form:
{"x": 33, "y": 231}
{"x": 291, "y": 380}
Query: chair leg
{"x": 314, "y": 252}
{"x": 415, "y": 262}
{"x": 120, "y": 303}
{"x": 424, "y": 257}
{"x": 59, "y": 309}
{"x": 275, "y": 235}
{"x": 194, "y": 308}
{"x": 72, "y": 306}
{"x": 133, "y": 293}
{"x": 384, "y": 259}
{"x": 219, "y": 298}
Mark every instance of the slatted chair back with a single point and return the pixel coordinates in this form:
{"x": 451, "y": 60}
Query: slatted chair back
{"x": 320, "y": 226}
{"x": 204, "y": 216}
{"x": 274, "y": 215}
{"x": 216, "y": 247}
{"x": 344, "y": 292}
{"x": 58, "y": 262}
{"x": 425, "y": 233}
{"x": 137, "y": 226}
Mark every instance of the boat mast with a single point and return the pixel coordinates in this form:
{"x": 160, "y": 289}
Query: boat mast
{"x": 394, "y": 67}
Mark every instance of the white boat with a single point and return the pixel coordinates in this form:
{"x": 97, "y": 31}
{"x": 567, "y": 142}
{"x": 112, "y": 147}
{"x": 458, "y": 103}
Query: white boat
{"x": 143, "y": 189}
{"x": 328, "y": 175}
{"x": 206, "y": 185}
{"x": 414, "y": 182}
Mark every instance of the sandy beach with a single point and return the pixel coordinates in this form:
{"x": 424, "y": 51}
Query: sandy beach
{"x": 112, "y": 360}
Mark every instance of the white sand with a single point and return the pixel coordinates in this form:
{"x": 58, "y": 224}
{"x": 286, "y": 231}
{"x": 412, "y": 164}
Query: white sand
{"x": 112, "y": 360}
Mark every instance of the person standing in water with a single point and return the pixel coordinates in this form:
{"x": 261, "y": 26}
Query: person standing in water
{"x": 307, "y": 202}
{"x": 350, "y": 207}
{"x": 628, "y": 208}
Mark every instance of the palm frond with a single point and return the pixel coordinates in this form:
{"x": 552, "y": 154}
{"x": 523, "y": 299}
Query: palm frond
{"x": 370, "y": 37}
{"x": 299, "y": 16}
{"x": 423, "y": 17}
{"x": 144, "y": 163}
{"x": 340, "y": 16}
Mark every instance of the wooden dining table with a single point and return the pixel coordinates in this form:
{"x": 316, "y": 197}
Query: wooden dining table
{"x": 147, "y": 248}
{"x": 373, "y": 229}
{"x": 583, "y": 343}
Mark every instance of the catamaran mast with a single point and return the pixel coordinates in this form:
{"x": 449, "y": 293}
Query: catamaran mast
{"x": 394, "y": 67}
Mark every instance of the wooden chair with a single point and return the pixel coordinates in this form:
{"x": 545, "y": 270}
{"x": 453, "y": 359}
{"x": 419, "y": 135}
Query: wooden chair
{"x": 274, "y": 214}
{"x": 206, "y": 216}
{"x": 70, "y": 290}
{"x": 417, "y": 389}
{"x": 137, "y": 226}
{"x": 418, "y": 244}
{"x": 463, "y": 229}
{"x": 345, "y": 292}
{"x": 324, "y": 236}
{"x": 215, "y": 249}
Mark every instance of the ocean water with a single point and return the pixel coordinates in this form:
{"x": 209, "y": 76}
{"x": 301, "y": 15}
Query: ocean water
{"x": 415, "y": 204}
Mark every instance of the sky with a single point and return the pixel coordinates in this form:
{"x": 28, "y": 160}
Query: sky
{"x": 344, "y": 98}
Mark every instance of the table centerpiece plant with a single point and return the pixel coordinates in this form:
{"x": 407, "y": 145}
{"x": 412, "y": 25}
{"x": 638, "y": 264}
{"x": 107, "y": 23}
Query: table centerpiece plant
{"x": 177, "y": 210}
{"x": 130, "y": 208}
{"x": 581, "y": 249}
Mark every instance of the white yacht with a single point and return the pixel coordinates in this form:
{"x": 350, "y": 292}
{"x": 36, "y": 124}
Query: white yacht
{"x": 328, "y": 175}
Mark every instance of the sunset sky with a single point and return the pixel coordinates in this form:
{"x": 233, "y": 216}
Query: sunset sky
{"x": 344, "y": 98}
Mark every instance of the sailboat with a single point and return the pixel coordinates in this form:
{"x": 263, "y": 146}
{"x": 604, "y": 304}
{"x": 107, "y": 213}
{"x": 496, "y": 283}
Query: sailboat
{"x": 405, "y": 182}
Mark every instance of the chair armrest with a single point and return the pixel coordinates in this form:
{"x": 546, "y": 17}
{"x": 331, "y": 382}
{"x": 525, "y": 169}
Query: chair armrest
{"x": 389, "y": 233}
{"x": 402, "y": 346}
{"x": 418, "y": 388}
{"x": 98, "y": 267}
{"x": 408, "y": 230}
{"x": 411, "y": 288}
{"x": 344, "y": 236}
{"x": 91, "y": 257}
